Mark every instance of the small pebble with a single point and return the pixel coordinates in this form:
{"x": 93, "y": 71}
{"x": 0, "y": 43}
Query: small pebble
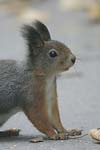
{"x": 37, "y": 139}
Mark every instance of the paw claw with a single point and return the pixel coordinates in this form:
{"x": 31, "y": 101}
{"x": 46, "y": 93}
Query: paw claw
{"x": 73, "y": 132}
{"x": 59, "y": 136}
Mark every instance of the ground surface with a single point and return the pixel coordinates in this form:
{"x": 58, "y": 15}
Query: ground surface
{"x": 78, "y": 90}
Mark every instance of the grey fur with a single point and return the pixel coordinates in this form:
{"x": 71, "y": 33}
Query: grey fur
{"x": 14, "y": 81}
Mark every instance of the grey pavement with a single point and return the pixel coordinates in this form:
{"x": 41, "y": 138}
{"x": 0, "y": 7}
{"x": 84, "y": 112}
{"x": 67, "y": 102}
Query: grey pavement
{"x": 78, "y": 89}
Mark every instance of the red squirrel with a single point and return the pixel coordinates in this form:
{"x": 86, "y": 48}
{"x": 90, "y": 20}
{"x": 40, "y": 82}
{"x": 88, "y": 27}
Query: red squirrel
{"x": 30, "y": 85}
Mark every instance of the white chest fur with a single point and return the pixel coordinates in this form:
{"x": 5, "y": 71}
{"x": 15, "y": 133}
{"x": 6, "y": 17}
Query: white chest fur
{"x": 50, "y": 89}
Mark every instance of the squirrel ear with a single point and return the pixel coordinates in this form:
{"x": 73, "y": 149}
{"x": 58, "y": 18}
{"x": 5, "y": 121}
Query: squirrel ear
{"x": 32, "y": 36}
{"x": 42, "y": 30}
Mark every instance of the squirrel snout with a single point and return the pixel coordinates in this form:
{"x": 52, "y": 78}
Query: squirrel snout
{"x": 73, "y": 59}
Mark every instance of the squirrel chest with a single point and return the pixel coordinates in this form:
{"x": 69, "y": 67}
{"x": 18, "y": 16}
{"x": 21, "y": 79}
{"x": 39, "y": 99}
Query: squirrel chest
{"x": 50, "y": 93}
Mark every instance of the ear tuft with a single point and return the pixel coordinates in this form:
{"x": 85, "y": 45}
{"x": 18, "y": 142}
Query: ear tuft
{"x": 32, "y": 36}
{"x": 42, "y": 30}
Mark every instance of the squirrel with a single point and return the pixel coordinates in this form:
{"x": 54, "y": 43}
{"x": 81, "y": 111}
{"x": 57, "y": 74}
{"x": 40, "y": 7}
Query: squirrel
{"x": 30, "y": 85}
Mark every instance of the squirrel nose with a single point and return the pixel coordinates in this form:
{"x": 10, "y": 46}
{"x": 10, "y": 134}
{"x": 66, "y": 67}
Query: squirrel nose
{"x": 73, "y": 59}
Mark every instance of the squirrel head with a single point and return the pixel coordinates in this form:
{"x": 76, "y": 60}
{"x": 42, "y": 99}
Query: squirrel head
{"x": 46, "y": 56}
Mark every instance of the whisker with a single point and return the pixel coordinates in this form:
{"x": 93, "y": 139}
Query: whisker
{"x": 78, "y": 58}
{"x": 74, "y": 67}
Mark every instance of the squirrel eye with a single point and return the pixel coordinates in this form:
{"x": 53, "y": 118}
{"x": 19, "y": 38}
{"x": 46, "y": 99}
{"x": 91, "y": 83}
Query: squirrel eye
{"x": 53, "y": 53}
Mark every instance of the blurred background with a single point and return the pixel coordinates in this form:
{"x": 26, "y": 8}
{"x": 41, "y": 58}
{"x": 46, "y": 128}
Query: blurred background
{"x": 77, "y": 24}
{"x": 68, "y": 20}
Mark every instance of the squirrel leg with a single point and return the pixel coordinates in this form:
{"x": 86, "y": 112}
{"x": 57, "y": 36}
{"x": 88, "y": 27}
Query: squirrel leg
{"x": 39, "y": 119}
{"x": 42, "y": 123}
{"x": 57, "y": 122}
{"x": 55, "y": 119}
{"x": 10, "y": 132}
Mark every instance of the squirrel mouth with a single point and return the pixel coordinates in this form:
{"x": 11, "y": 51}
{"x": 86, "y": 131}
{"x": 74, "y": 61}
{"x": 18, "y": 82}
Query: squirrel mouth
{"x": 66, "y": 68}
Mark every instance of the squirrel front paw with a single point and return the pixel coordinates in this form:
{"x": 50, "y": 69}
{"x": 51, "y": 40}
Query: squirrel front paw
{"x": 72, "y": 132}
{"x": 59, "y": 136}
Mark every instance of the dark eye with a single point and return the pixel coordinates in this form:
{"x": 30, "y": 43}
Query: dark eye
{"x": 53, "y": 53}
